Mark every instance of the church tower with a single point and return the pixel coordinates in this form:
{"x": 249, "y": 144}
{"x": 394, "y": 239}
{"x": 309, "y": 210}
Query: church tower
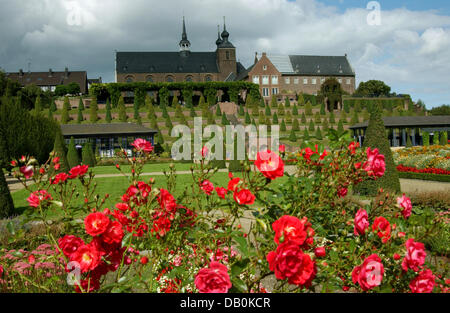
{"x": 184, "y": 43}
{"x": 226, "y": 54}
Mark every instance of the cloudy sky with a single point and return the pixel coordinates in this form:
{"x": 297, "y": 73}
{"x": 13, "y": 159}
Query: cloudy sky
{"x": 408, "y": 46}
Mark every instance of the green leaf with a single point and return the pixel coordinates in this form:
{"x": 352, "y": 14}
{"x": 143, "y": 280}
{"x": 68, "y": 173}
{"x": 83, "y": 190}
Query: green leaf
{"x": 239, "y": 285}
{"x": 237, "y": 267}
{"x": 10, "y": 228}
{"x": 126, "y": 240}
{"x": 243, "y": 247}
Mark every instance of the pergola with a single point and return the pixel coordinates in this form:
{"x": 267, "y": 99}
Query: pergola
{"x": 107, "y": 138}
{"x": 399, "y": 127}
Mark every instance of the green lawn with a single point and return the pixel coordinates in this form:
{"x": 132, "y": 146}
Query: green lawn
{"x": 148, "y": 168}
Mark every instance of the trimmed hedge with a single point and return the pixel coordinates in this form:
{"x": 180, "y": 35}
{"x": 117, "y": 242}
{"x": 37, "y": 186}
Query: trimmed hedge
{"x": 425, "y": 176}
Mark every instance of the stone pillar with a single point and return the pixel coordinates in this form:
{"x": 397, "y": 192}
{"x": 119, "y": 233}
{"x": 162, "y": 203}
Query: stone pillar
{"x": 403, "y": 137}
{"x": 413, "y": 134}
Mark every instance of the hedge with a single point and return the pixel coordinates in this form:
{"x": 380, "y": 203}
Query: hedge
{"x": 425, "y": 176}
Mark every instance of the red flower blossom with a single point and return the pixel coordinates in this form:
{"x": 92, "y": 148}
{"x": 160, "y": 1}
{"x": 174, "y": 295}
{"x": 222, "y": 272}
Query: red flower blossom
{"x": 243, "y": 197}
{"x": 114, "y": 233}
{"x": 207, "y": 187}
{"x": 320, "y": 252}
{"x": 375, "y": 165}
{"x": 383, "y": 228}
{"x": 423, "y": 283}
{"x": 27, "y": 171}
{"x": 369, "y": 274}
{"x": 55, "y": 160}
{"x": 96, "y": 223}
{"x": 233, "y": 183}
{"x": 361, "y": 222}
{"x": 122, "y": 206}
{"x": 282, "y": 149}
{"x": 69, "y": 244}
{"x": 342, "y": 192}
{"x": 78, "y": 171}
{"x": 352, "y": 147}
{"x": 221, "y": 192}
{"x": 405, "y": 204}
{"x": 204, "y": 152}
{"x": 270, "y": 164}
{"x": 37, "y": 197}
{"x": 142, "y": 145}
{"x": 167, "y": 203}
{"x": 161, "y": 226}
{"x": 289, "y": 228}
{"x": 60, "y": 178}
{"x": 288, "y": 261}
{"x": 87, "y": 257}
{"x": 214, "y": 279}
{"x": 415, "y": 255}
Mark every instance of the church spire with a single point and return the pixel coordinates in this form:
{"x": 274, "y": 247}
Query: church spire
{"x": 219, "y": 40}
{"x": 225, "y": 34}
{"x": 184, "y": 43}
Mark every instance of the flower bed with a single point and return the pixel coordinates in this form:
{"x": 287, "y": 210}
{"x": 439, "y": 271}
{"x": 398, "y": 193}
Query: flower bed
{"x": 437, "y": 171}
{"x": 303, "y": 231}
{"x": 426, "y": 157}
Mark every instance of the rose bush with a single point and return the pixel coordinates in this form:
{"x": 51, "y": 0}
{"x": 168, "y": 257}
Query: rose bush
{"x": 304, "y": 229}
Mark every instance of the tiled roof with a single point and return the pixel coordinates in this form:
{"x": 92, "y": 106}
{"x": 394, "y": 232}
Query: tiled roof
{"x": 104, "y": 129}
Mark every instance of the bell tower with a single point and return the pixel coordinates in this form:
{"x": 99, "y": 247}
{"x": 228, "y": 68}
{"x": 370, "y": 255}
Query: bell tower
{"x": 184, "y": 44}
{"x": 226, "y": 54}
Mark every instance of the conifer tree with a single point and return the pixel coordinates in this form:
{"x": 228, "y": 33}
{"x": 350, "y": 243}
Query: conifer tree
{"x": 248, "y": 121}
{"x": 281, "y": 110}
{"x": 241, "y": 110}
{"x": 376, "y": 139}
{"x": 426, "y": 138}
{"x": 287, "y": 103}
{"x": 169, "y": 124}
{"x": 218, "y": 111}
{"x": 318, "y": 134}
{"x": 408, "y": 138}
{"x": 346, "y": 107}
{"x": 306, "y": 134}
{"x": 52, "y": 105}
{"x": 295, "y": 110}
{"x": 175, "y": 101}
{"x": 201, "y": 102}
{"x": 292, "y": 136}
{"x": 436, "y": 138}
{"x": 303, "y": 118}
{"x": 210, "y": 118}
{"x": 317, "y": 118}
{"x": 38, "y": 104}
{"x": 295, "y": 125}
{"x": 308, "y": 109}
{"x": 108, "y": 117}
{"x": 65, "y": 118}
{"x": 224, "y": 119}
{"x": 322, "y": 109}
{"x": 165, "y": 114}
{"x": 311, "y": 126}
{"x": 274, "y": 102}
{"x": 283, "y": 126}
{"x": 235, "y": 165}
{"x": 268, "y": 111}
{"x": 150, "y": 107}
{"x": 340, "y": 128}
{"x": 288, "y": 117}
{"x": 444, "y": 139}
{"x": 192, "y": 112}
{"x": 301, "y": 99}
{"x": 80, "y": 117}
{"x": 93, "y": 111}
{"x": 122, "y": 110}
{"x": 87, "y": 155}
{"x": 72, "y": 154}
{"x": 343, "y": 117}
{"x": 325, "y": 125}
{"x": 355, "y": 119}
{"x": 332, "y": 119}
{"x": 261, "y": 103}
{"x": 275, "y": 119}
{"x": 81, "y": 104}
{"x": 60, "y": 150}
{"x": 178, "y": 111}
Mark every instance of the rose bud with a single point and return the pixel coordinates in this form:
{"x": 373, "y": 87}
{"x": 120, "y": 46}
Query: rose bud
{"x": 320, "y": 252}
{"x": 118, "y": 166}
{"x": 144, "y": 260}
{"x": 397, "y": 256}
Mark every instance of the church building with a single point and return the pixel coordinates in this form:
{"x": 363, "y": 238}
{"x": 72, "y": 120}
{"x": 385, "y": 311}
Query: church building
{"x": 183, "y": 65}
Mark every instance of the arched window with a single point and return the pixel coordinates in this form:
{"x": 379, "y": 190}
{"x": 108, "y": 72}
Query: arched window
{"x": 169, "y": 79}
{"x": 129, "y": 79}
{"x": 149, "y": 79}
{"x": 208, "y": 78}
{"x": 189, "y": 78}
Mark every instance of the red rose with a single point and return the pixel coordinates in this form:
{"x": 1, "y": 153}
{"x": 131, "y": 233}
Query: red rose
{"x": 405, "y": 204}
{"x": 289, "y": 228}
{"x": 55, "y": 160}
{"x": 282, "y": 149}
{"x": 320, "y": 252}
{"x": 204, "y": 152}
{"x": 27, "y": 171}
{"x": 144, "y": 260}
{"x": 114, "y": 233}
{"x": 69, "y": 244}
{"x": 214, "y": 279}
{"x": 87, "y": 257}
{"x": 269, "y": 164}
{"x": 78, "y": 171}
{"x": 342, "y": 192}
{"x": 57, "y": 166}
{"x": 1, "y": 271}
{"x": 60, "y": 178}
{"x": 423, "y": 283}
{"x": 375, "y": 164}
{"x": 96, "y": 223}
{"x": 352, "y": 147}
{"x": 397, "y": 256}
{"x": 369, "y": 274}
{"x": 142, "y": 145}
{"x": 161, "y": 226}
{"x": 122, "y": 206}
{"x": 167, "y": 201}
{"x": 288, "y": 261}
{"x": 221, "y": 192}
{"x": 361, "y": 222}
{"x": 415, "y": 255}
{"x": 207, "y": 187}
{"x": 383, "y": 229}
{"x": 233, "y": 183}
{"x": 37, "y": 197}
{"x": 244, "y": 197}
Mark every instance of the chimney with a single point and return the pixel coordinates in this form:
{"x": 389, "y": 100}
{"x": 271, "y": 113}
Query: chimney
{"x": 50, "y": 73}
{"x": 256, "y": 57}
{"x": 264, "y": 54}
{"x": 21, "y": 72}
{"x": 66, "y": 72}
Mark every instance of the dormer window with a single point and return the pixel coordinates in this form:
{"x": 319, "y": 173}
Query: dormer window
{"x": 264, "y": 67}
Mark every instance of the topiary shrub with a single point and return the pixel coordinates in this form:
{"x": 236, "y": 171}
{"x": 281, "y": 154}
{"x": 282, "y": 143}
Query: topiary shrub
{"x": 72, "y": 154}
{"x": 235, "y": 164}
{"x": 376, "y": 139}
{"x": 292, "y": 136}
{"x": 426, "y": 138}
{"x": 6, "y": 201}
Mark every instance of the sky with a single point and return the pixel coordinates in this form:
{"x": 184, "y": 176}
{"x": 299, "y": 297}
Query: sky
{"x": 406, "y": 44}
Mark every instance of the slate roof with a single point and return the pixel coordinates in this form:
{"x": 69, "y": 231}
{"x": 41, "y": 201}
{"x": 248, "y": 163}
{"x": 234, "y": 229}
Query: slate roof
{"x": 50, "y": 78}
{"x": 312, "y": 65}
{"x": 410, "y": 121}
{"x": 105, "y": 129}
{"x": 166, "y": 62}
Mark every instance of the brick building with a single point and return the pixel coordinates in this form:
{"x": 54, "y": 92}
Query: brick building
{"x": 294, "y": 74}
{"x": 181, "y": 66}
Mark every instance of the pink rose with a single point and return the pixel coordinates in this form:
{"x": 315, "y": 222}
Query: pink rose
{"x": 375, "y": 165}
{"x": 37, "y": 197}
{"x": 221, "y": 192}
{"x": 415, "y": 255}
{"x": 27, "y": 171}
{"x": 214, "y": 279}
{"x": 361, "y": 222}
{"x": 142, "y": 145}
{"x": 405, "y": 204}
{"x": 369, "y": 274}
{"x": 207, "y": 187}
{"x": 423, "y": 283}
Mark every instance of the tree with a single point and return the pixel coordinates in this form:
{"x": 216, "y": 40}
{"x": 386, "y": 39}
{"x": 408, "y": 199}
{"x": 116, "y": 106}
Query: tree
{"x": 268, "y": 111}
{"x": 306, "y": 134}
{"x": 175, "y": 101}
{"x": 311, "y": 126}
{"x": 281, "y": 111}
{"x": 318, "y": 134}
{"x": 108, "y": 117}
{"x": 38, "y": 104}
{"x": 340, "y": 128}
{"x": 247, "y": 118}
{"x": 355, "y": 119}
{"x": 93, "y": 117}
{"x": 373, "y": 88}
{"x": 440, "y": 110}
{"x": 73, "y": 89}
{"x": 322, "y": 109}
{"x": 436, "y": 138}
{"x": 87, "y": 155}
{"x": 444, "y": 139}
{"x": 292, "y": 136}
{"x": 301, "y": 99}
{"x": 317, "y": 118}
{"x": 65, "y": 118}
{"x": 81, "y": 104}
{"x": 331, "y": 118}
{"x": 346, "y": 106}
{"x": 72, "y": 154}
{"x": 376, "y": 139}
{"x": 408, "y": 138}
{"x": 122, "y": 110}
{"x": 168, "y": 123}
{"x": 303, "y": 118}
{"x": 50, "y": 115}
{"x": 235, "y": 164}
{"x": 80, "y": 117}
{"x": 426, "y": 138}
{"x": 218, "y": 111}
{"x": 295, "y": 125}
{"x": 241, "y": 110}
{"x": 325, "y": 125}
{"x": 220, "y": 163}
{"x": 274, "y": 102}
{"x": 201, "y": 102}
{"x": 275, "y": 119}
{"x": 52, "y": 107}
{"x": 60, "y": 150}
{"x": 192, "y": 112}
{"x": 308, "y": 109}
{"x": 287, "y": 103}
{"x": 295, "y": 110}
{"x": 283, "y": 126}
{"x": 343, "y": 117}
{"x": 150, "y": 108}
{"x": 6, "y": 201}
{"x": 224, "y": 119}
